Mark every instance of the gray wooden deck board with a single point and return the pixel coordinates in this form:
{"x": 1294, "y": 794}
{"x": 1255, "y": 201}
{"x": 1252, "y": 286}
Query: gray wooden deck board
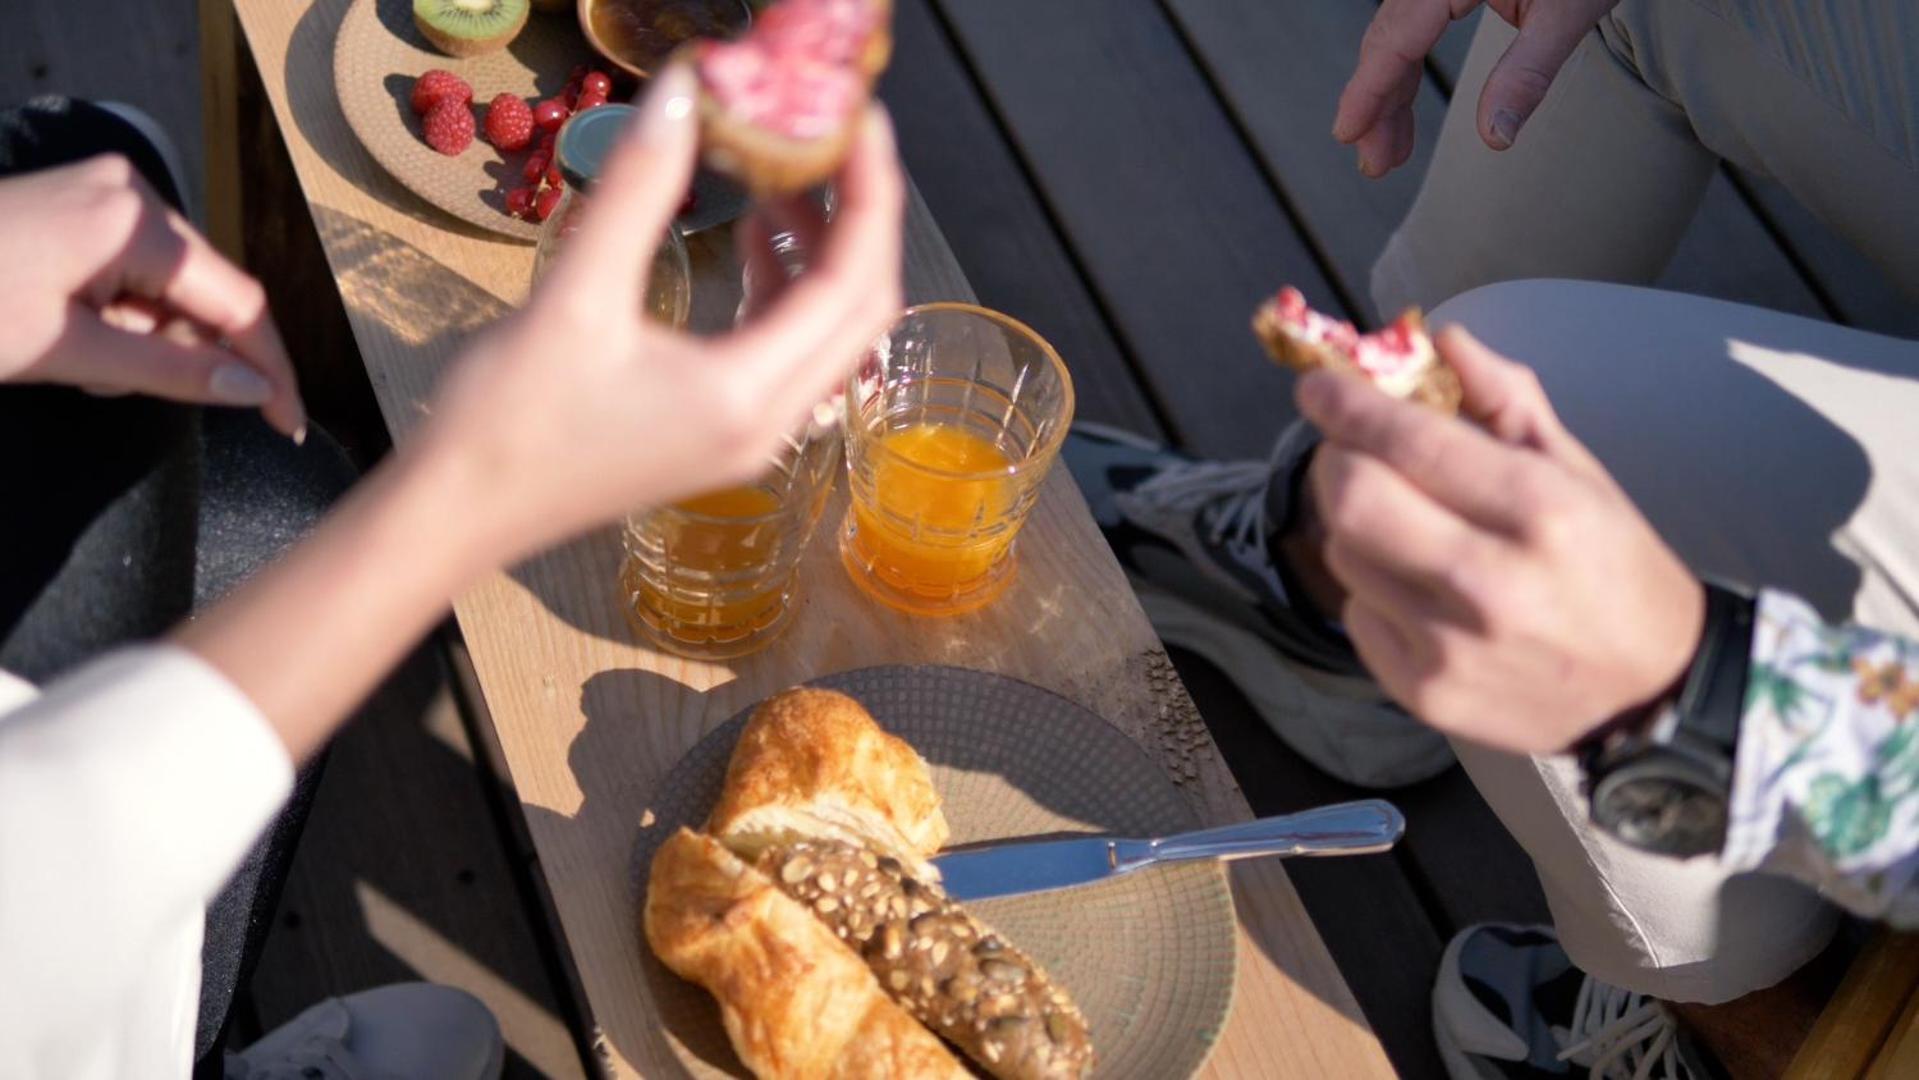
{"x": 1173, "y": 221}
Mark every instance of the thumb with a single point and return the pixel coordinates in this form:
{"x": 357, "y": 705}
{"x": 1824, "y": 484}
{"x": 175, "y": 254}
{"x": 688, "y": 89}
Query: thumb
{"x": 1520, "y": 78}
{"x": 1506, "y": 398}
{"x": 640, "y": 189}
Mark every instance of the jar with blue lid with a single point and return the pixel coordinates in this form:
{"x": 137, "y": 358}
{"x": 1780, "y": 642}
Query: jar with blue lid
{"x": 584, "y": 145}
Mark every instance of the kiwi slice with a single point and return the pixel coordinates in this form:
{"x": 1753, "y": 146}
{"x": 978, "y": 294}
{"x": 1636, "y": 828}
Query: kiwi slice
{"x": 470, "y": 27}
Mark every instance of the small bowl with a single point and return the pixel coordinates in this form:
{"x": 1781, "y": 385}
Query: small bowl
{"x": 723, "y": 19}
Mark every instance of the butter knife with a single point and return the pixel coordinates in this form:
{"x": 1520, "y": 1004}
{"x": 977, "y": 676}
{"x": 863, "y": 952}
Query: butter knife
{"x": 1017, "y": 867}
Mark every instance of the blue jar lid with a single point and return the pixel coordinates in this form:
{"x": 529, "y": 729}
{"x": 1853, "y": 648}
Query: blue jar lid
{"x": 588, "y": 140}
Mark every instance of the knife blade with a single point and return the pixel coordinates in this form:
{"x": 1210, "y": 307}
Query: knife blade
{"x": 1015, "y": 868}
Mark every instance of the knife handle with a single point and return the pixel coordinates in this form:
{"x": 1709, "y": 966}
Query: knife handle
{"x": 1364, "y": 827}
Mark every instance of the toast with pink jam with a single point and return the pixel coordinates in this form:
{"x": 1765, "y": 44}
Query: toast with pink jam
{"x": 1399, "y": 358}
{"x": 779, "y": 108}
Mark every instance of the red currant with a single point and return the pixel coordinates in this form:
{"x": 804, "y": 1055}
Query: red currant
{"x": 544, "y": 206}
{"x": 596, "y": 84}
{"x": 519, "y": 202}
{"x": 535, "y": 167}
{"x": 550, "y": 114}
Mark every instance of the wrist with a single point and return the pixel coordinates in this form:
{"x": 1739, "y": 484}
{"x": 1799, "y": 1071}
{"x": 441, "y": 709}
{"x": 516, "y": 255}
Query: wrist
{"x": 444, "y": 488}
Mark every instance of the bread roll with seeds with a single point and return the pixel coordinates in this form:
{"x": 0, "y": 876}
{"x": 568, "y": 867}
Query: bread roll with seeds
{"x": 940, "y": 963}
{"x": 812, "y": 764}
{"x": 797, "y": 1004}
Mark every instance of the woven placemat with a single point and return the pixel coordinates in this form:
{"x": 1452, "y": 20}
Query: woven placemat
{"x": 1149, "y": 957}
{"x": 379, "y": 54}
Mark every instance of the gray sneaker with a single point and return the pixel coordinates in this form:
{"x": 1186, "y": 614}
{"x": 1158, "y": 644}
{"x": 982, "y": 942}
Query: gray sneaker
{"x": 1508, "y": 1004}
{"x": 406, "y": 1031}
{"x": 1192, "y": 536}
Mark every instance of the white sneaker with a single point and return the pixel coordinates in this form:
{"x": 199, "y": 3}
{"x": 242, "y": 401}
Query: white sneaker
{"x": 1192, "y": 537}
{"x": 1508, "y": 1003}
{"x": 406, "y": 1031}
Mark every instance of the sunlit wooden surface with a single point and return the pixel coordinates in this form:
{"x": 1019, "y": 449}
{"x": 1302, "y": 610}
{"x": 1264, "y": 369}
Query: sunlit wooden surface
{"x": 590, "y": 721}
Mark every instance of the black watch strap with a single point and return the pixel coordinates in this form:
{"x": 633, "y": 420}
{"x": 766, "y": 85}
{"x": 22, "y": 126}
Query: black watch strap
{"x": 1662, "y": 783}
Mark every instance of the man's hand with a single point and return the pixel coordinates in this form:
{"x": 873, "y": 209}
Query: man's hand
{"x": 579, "y": 408}
{"x": 1376, "y": 108}
{"x": 103, "y": 287}
{"x": 1499, "y": 584}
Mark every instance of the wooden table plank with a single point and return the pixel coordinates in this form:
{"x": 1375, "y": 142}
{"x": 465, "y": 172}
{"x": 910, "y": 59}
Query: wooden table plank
{"x": 590, "y": 722}
{"x": 1171, "y": 218}
{"x": 1279, "y": 68}
{"x": 1012, "y": 254}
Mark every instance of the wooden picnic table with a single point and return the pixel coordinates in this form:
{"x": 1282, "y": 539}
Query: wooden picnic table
{"x": 590, "y": 721}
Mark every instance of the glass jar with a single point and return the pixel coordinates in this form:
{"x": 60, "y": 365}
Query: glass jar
{"x": 583, "y": 147}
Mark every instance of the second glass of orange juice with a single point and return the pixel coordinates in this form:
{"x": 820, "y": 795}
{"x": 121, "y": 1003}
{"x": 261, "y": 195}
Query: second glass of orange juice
{"x": 951, "y": 426}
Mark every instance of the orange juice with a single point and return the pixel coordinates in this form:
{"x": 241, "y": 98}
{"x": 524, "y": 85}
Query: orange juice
{"x": 712, "y": 546}
{"x": 921, "y": 528}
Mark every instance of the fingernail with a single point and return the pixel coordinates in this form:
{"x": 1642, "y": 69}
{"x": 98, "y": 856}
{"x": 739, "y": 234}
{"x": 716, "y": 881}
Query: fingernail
{"x": 300, "y": 434}
{"x": 668, "y": 104}
{"x": 1505, "y": 127}
{"x": 238, "y": 384}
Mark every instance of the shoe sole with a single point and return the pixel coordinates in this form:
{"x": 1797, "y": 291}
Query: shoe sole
{"x": 1320, "y": 716}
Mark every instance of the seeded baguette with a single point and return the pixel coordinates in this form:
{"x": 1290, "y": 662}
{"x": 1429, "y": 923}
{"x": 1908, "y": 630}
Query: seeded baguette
{"x": 797, "y": 1004}
{"x": 943, "y": 965}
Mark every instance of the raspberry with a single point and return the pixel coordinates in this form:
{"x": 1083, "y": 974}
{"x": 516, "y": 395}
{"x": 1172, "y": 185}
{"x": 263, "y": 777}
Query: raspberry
{"x": 519, "y": 202}
{"x": 435, "y": 86}
{"x": 449, "y": 127}
{"x": 596, "y": 84}
{"x": 550, "y": 114}
{"x": 509, "y": 123}
{"x": 548, "y": 200}
{"x": 535, "y": 167}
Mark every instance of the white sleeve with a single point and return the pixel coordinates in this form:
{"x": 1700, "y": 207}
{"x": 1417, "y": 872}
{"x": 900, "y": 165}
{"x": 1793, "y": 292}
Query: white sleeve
{"x": 129, "y": 792}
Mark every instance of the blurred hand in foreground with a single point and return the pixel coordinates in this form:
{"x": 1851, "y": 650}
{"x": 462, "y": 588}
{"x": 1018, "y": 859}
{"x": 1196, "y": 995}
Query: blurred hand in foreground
{"x": 105, "y": 287}
{"x": 579, "y": 408}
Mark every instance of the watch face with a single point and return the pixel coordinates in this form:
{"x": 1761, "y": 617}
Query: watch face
{"x": 1662, "y": 806}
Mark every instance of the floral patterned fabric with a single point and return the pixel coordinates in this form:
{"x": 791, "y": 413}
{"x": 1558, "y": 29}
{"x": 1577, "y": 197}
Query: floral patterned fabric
{"x": 1826, "y": 785}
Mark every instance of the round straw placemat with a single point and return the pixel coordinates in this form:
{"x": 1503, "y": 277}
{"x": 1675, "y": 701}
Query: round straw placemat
{"x": 379, "y": 54}
{"x": 1149, "y": 957}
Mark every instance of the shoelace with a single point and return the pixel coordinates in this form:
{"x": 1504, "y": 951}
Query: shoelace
{"x": 1232, "y": 493}
{"x": 1624, "y": 1034}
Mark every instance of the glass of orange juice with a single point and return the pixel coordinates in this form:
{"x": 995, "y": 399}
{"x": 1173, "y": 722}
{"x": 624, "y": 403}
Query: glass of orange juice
{"x": 951, "y": 425}
{"x": 716, "y": 576}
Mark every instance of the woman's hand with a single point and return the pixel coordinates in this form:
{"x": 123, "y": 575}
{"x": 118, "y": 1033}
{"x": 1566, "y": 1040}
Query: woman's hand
{"x": 1499, "y": 584}
{"x": 579, "y": 408}
{"x": 1376, "y": 108}
{"x": 103, "y": 287}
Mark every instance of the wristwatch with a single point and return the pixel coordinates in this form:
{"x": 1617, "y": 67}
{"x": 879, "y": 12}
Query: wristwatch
{"x": 1661, "y": 779}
